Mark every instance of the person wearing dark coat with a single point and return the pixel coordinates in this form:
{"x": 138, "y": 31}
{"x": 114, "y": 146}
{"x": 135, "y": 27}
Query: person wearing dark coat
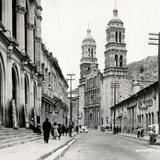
{"x": 46, "y": 130}
{"x": 59, "y": 131}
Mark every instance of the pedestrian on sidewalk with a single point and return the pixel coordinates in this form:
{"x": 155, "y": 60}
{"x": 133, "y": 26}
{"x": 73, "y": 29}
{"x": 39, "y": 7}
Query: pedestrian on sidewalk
{"x": 70, "y": 129}
{"x": 59, "y": 131}
{"x": 66, "y": 130}
{"x": 63, "y": 129}
{"x": 142, "y": 131}
{"x": 55, "y": 131}
{"x": 46, "y": 130}
{"x": 77, "y": 128}
{"x": 138, "y": 132}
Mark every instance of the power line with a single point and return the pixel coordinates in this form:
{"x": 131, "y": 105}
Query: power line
{"x": 61, "y": 31}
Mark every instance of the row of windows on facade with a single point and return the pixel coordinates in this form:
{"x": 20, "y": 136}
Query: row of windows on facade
{"x": 52, "y": 80}
{"x": 14, "y": 23}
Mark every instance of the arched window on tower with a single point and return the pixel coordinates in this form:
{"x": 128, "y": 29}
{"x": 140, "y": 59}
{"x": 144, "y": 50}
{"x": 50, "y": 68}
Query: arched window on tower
{"x": 121, "y": 61}
{"x": 89, "y": 52}
{"x": 25, "y": 26}
{"x": 116, "y": 61}
{"x": 120, "y": 37}
{"x": 42, "y": 68}
{"x": 92, "y": 53}
{"x": 116, "y": 37}
{"x": 14, "y": 19}
{"x": 1, "y": 10}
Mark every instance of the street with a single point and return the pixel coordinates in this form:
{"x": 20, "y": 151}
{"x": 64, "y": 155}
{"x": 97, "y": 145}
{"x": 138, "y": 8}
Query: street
{"x": 96, "y": 145}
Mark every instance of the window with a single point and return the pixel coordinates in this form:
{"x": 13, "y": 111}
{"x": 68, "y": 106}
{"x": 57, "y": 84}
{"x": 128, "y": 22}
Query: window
{"x": 121, "y": 61}
{"x": 120, "y": 37}
{"x": 116, "y": 38}
{"x": 92, "y": 53}
{"x": 25, "y": 26}
{"x": 116, "y": 61}
{"x": 152, "y": 118}
{"x": 14, "y": 19}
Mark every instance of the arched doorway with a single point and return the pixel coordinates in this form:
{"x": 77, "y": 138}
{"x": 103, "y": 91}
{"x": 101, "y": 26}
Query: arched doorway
{"x": 26, "y": 105}
{"x": 34, "y": 108}
{"x": 13, "y": 109}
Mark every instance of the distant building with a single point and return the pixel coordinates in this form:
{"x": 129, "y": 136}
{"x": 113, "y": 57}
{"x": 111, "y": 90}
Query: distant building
{"x": 54, "y": 89}
{"x": 90, "y": 82}
{"x": 99, "y": 92}
{"x": 140, "y": 109}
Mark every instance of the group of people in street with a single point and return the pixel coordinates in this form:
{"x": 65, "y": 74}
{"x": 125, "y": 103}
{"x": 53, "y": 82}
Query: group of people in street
{"x": 140, "y": 131}
{"x": 117, "y": 129}
{"x": 57, "y": 130}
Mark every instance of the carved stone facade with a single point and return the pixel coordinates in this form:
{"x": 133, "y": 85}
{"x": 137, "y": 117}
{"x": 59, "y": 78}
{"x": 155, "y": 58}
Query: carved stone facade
{"x": 115, "y": 75}
{"x": 21, "y": 76}
{"x": 89, "y": 88}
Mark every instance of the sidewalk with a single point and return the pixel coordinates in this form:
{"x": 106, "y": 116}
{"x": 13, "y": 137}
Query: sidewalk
{"x": 145, "y": 138}
{"x": 36, "y": 150}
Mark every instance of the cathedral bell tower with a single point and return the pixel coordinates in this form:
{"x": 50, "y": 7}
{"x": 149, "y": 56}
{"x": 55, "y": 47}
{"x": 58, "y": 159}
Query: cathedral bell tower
{"x": 88, "y": 55}
{"x": 115, "y": 49}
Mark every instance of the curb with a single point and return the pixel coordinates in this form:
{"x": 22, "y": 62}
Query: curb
{"x": 134, "y": 137}
{"x": 61, "y": 152}
{"x": 51, "y": 153}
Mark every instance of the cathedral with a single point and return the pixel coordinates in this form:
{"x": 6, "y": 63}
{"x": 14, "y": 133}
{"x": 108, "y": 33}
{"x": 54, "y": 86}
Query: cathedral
{"x": 98, "y": 92}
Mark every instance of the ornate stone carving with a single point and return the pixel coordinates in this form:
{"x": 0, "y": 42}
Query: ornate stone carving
{"x": 39, "y": 7}
{"x": 21, "y": 9}
{"x": 30, "y": 26}
{"x": 39, "y": 17}
{"x": 38, "y": 39}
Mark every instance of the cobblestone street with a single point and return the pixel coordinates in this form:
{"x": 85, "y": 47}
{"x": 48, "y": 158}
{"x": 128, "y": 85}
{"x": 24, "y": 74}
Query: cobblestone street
{"x": 96, "y": 145}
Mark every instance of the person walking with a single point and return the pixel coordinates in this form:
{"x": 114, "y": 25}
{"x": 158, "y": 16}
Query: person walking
{"x": 59, "y": 131}
{"x": 142, "y": 131}
{"x": 55, "y": 128}
{"x": 46, "y": 130}
{"x": 138, "y": 132}
{"x": 70, "y": 129}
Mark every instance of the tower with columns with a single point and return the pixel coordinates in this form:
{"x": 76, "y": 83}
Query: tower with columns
{"x": 88, "y": 55}
{"x": 115, "y": 48}
{"x": 115, "y": 85}
{"x": 89, "y": 88}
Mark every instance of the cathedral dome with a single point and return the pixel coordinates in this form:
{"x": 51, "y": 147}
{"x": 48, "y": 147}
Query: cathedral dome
{"x": 115, "y": 18}
{"x": 88, "y": 37}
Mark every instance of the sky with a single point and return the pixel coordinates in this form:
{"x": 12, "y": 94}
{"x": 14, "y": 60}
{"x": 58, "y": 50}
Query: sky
{"x": 65, "y": 23}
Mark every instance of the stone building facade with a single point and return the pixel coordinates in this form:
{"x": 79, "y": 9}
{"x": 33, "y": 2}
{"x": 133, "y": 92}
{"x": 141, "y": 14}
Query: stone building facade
{"x": 54, "y": 89}
{"x": 21, "y": 62}
{"x": 115, "y": 84}
{"x": 89, "y": 88}
{"x": 140, "y": 109}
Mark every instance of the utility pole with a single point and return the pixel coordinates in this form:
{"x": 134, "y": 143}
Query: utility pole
{"x": 156, "y": 37}
{"x": 70, "y": 79}
{"x": 115, "y": 86}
